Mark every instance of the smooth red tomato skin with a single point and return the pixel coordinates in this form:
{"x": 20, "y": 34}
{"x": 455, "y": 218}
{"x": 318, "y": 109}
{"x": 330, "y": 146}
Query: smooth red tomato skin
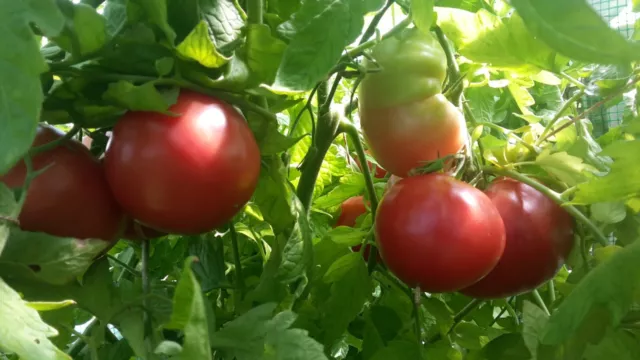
{"x": 410, "y": 135}
{"x": 188, "y": 174}
{"x": 540, "y": 236}
{"x": 141, "y": 233}
{"x": 72, "y": 197}
{"x": 350, "y": 210}
{"x": 438, "y": 233}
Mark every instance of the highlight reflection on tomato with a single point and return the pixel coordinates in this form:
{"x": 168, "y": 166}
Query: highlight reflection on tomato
{"x": 184, "y": 174}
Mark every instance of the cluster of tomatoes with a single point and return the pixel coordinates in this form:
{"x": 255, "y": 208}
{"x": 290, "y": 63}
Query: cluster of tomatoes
{"x": 186, "y": 171}
{"x": 433, "y": 230}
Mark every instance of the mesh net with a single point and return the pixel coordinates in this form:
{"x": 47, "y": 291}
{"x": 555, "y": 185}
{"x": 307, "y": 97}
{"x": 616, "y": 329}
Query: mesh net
{"x": 618, "y": 14}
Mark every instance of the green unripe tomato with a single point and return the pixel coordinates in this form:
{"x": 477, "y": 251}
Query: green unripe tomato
{"x": 408, "y": 67}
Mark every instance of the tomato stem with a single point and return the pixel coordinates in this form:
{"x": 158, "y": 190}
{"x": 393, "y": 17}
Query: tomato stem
{"x": 538, "y": 299}
{"x": 455, "y": 79}
{"x": 53, "y": 144}
{"x": 126, "y": 267}
{"x": 146, "y": 287}
{"x": 236, "y": 260}
{"x": 552, "y": 291}
{"x": 556, "y": 197}
{"x": 466, "y": 310}
{"x": 573, "y": 80}
{"x": 254, "y": 11}
{"x": 417, "y": 301}
{"x": 557, "y": 116}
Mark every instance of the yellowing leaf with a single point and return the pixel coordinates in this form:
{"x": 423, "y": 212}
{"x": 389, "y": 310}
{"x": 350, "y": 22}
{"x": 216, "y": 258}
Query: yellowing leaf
{"x": 567, "y": 168}
{"x": 199, "y": 47}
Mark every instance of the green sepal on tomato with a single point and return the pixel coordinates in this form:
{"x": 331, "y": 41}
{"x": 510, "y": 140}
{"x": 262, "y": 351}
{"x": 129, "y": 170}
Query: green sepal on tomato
{"x": 405, "y": 118}
{"x": 70, "y": 197}
{"x": 438, "y": 233}
{"x": 540, "y": 236}
{"x": 183, "y": 174}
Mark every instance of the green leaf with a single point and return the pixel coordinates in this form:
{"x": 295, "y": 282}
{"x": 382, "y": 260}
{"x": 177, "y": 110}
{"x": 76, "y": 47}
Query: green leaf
{"x": 168, "y": 348}
{"x": 210, "y": 267}
{"x": 51, "y": 259}
{"x": 46, "y": 15}
{"x": 573, "y": 28}
{"x": 422, "y": 13}
{"x": 345, "y": 235}
{"x": 264, "y": 52}
{"x": 224, "y": 22}
{"x": 622, "y": 181}
{"x": 609, "y": 213}
{"x": 198, "y": 46}
{"x": 8, "y": 208}
{"x": 183, "y": 16}
{"x": 154, "y": 11}
{"x": 567, "y": 168}
{"x": 350, "y": 288}
{"x": 618, "y": 345}
{"x": 297, "y": 255}
{"x": 85, "y": 31}
{"x": 471, "y": 336}
{"x": 534, "y": 322}
{"x": 319, "y": 32}
{"x": 21, "y": 92}
{"x": 285, "y": 8}
{"x": 507, "y": 347}
{"x": 22, "y": 331}
{"x": 636, "y": 5}
{"x": 602, "y": 297}
{"x": 484, "y": 38}
{"x": 350, "y": 185}
{"x": 115, "y": 13}
{"x": 48, "y": 306}
{"x": 258, "y": 334}
{"x": 143, "y": 97}
{"x": 398, "y": 350}
{"x": 190, "y": 315}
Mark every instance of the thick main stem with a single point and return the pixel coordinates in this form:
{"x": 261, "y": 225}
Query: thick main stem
{"x": 254, "y": 11}
{"x": 326, "y": 131}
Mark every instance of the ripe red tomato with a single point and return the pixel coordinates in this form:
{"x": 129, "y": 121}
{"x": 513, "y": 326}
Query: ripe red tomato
{"x": 187, "y": 174}
{"x": 409, "y": 135}
{"x": 539, "y": 239}
{"x": 438, "y": 232}
{"x": 69, "y": 199}
{"x": 350, "y": 210}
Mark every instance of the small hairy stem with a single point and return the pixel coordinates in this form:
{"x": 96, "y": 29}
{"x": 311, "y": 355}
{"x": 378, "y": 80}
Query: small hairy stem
{"x": 557, "y": 198}
{"x": 133, "y": 271}
{"x": 452, "y": 68}
{"x": 538, "y": 298}
{"x": 573, "y": 80}
{"x": 417, "y": 299}
{"x": 236, "y": 260}
{"x": 552, "y": 291}
{"x": 495, "y": 319}
{"x": 358, "y": 50}
{"x": 146, "y": 287}
{"x": 472, "y": 305}
{"x": 55, "y": 143}
{"x": 555, "y": 119}
{"x": 10, "y": 219}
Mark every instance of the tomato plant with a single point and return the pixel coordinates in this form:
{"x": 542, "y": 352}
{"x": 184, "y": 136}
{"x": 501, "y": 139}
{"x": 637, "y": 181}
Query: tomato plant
{"x": 221, "y": 140}
{"x": 438, "y": 233}
{"x": 70, "y": 196}
{"x": 187, "y": 174}
{"x": 540, "y": 236}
